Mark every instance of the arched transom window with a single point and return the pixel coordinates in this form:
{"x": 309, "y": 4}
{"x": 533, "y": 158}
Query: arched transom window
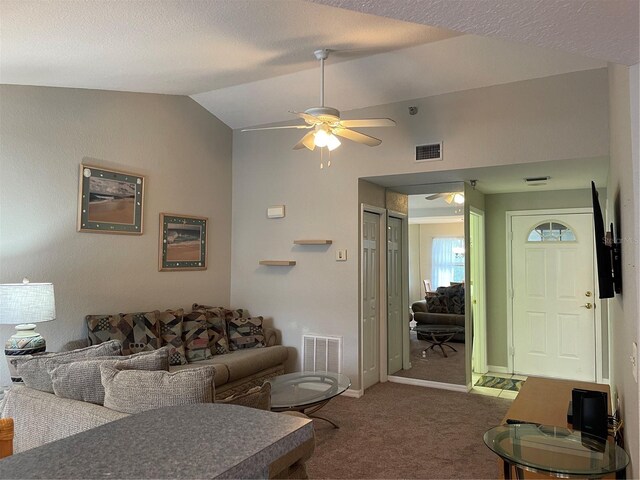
{"x": 551, "y": 232}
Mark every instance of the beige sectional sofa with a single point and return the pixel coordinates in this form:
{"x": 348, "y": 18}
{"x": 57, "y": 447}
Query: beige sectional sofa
{"x": 238, "y": 371}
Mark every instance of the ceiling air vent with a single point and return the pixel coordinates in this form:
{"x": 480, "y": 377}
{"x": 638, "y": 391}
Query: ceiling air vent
{"x": 429, "y": 153}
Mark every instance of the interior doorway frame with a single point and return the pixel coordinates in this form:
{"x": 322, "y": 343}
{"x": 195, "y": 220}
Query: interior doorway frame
{"x": 509, "y": 293}
{"x": 382, "y": 294}
{"x": 479, "y": 350}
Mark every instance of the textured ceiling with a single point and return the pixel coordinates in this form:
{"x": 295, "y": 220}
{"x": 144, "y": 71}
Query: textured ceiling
{"x": 250, "y": 61}
{"x": 603, "y": 29}
{"x": 183, "y": 46}
{"x": 456, "y": 64}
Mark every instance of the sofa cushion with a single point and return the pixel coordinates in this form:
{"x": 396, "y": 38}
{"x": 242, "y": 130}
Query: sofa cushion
{"x": 196, "y": 337}
{"x": 135, "y": 391}
{"x": 81, "y": 380}
{"x": 137, "y": 331}
{"x": 34, "y": 368}
{"x": 437, "y": 304}
{"x": 243, "y": 363}
{"x": 257, "y": 397}
{"x": 245, "y": 333}
{"x": 222, "y": 372}
{"x": 170, "y": 323}
{"x": 41, "y": 417}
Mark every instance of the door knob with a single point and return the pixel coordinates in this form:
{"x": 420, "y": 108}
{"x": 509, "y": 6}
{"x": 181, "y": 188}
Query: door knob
{"x": 588, "y": 294}
{"x": 588, "y": 306}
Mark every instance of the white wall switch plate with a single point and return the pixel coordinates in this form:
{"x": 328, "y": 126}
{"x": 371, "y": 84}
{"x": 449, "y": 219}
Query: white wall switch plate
{"x": 341, "y": 255}
{"x": 275, "y": 211}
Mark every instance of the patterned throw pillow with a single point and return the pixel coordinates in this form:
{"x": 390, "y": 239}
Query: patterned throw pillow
{"x": 245, "y": 333}
{"x": 137, "y": 332}
{"x": 34, "y": 369}
{"x": 257, "y": 397}
{"x": 437, "y": 304}
{"x": 220, "y": 311}
{"x": 217, "y": 318}
{"x": 454, "y": 297}
{"x": 195, "y": 337}
{"x": 135, "y": 391}
{"x": 81, "y": 380}
{"x": 171, "y": 326}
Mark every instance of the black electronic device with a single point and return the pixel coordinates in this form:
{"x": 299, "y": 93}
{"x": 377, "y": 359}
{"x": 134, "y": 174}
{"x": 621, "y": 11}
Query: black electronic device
{"x": 607, "y": 252}
{"x": 590, "y": 412}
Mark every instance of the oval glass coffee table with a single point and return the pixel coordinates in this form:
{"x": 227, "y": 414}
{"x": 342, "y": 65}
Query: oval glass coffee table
{"x": 555, "y": 451}
{"x": 306, "y": 392}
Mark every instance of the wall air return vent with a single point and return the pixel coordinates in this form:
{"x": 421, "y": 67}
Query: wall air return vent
{"x": 321, "y": 354}
{"x": 429, "y": 153}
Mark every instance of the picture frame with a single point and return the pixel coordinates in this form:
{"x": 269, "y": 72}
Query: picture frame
{"x": 182, "y": 242}
{"x": 110, "y": 201}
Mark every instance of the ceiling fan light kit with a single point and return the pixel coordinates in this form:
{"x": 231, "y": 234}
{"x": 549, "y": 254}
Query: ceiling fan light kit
{"x": 325, "y": 123}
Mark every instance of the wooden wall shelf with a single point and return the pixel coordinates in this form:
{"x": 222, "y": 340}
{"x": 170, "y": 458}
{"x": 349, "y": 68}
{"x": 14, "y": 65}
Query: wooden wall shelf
{"x": 313, "y": 242}
{"x": 278, "y": 263}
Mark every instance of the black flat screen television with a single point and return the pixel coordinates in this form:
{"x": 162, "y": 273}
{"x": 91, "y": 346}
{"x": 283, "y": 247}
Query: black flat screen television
{"x": 607, "y": 252}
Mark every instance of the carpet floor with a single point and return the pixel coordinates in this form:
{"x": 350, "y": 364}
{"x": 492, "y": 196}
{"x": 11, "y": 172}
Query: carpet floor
{"x": 404, "y": 431}
{"x": 434, "y": 366}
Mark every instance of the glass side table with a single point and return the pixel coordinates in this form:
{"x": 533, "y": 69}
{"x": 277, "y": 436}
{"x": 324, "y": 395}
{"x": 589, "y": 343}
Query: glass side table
{"x": 555, "y": 451}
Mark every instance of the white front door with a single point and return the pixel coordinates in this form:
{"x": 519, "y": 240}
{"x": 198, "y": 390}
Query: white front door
{"x": 395, "y": 308}
{"x": 553, "y": 296}
{"x": 370, "y": 299}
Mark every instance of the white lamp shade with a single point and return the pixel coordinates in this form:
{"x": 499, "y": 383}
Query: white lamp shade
{"x": 26, "y": 303}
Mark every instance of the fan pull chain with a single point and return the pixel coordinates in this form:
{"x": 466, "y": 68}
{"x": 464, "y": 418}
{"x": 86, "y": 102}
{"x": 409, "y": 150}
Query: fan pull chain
{"x": 322, "y": 158}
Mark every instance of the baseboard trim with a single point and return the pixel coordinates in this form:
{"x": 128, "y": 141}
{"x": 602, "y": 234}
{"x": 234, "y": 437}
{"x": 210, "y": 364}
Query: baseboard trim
{"x": 429, "y": 384}
{"x": 352, "y": 393}
{"x": 496, "y": 369}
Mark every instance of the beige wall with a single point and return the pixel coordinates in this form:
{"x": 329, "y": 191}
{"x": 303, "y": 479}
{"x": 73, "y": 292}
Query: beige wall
{"x": 185, "y": 154}
{"x": 496, "y": 207}
{"x": 623, "y": 196}
{"x": 552, "y": 118}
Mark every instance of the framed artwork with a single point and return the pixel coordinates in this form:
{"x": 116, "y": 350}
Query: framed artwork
{"x": 110, "y": 201}
{"x": 183, "y": 242}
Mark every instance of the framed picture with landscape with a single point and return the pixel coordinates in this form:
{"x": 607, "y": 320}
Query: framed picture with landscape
{"x": 110, "y": 201}
{"x": 183, "y": 242}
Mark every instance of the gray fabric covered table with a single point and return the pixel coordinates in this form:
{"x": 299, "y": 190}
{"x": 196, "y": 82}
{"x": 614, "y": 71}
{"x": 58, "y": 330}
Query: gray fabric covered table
{"x": 194, "y": 441}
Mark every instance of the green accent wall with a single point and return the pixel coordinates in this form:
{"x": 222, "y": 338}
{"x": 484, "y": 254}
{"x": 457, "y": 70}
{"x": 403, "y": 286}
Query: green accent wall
{"x": 496, "y": 207}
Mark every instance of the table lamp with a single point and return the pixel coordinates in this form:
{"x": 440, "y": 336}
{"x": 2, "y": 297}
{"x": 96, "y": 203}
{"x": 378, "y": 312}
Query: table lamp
{"x": 25, "y": 304}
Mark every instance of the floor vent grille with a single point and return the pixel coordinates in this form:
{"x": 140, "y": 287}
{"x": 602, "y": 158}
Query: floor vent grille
{"x": 321, "y": 354}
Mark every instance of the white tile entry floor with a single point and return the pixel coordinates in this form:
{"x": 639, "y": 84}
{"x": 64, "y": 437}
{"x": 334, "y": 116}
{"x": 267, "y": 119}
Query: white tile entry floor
{"x": 495, "y": 392}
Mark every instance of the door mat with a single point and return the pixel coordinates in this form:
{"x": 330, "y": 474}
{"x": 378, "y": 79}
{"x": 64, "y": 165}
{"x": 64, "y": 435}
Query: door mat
{"x": 499, "y": 382}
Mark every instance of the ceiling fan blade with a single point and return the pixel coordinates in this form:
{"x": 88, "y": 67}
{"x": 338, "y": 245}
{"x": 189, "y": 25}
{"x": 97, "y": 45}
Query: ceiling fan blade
{"x": 435, "y": 196}
{"x": 368, "y": 122}
{"x": 306, "y": 141}
{"x": 275, "y": 128}
{"x": 310, "y": 119}
{"x": 357, "y": 136}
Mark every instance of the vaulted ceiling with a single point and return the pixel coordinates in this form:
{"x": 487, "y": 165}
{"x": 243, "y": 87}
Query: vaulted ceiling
{"x": 250, "y": 61}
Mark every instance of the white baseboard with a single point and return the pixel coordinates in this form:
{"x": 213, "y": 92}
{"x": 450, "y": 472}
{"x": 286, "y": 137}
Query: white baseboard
{"x": 353, "y": 393}
{"x": 496, "y": 369}
{"x": 429, "y": 383}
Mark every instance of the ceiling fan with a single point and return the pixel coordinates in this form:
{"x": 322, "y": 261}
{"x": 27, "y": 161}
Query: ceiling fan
{"x": 325, "y": 123}
{"x": 449, "y": 197}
